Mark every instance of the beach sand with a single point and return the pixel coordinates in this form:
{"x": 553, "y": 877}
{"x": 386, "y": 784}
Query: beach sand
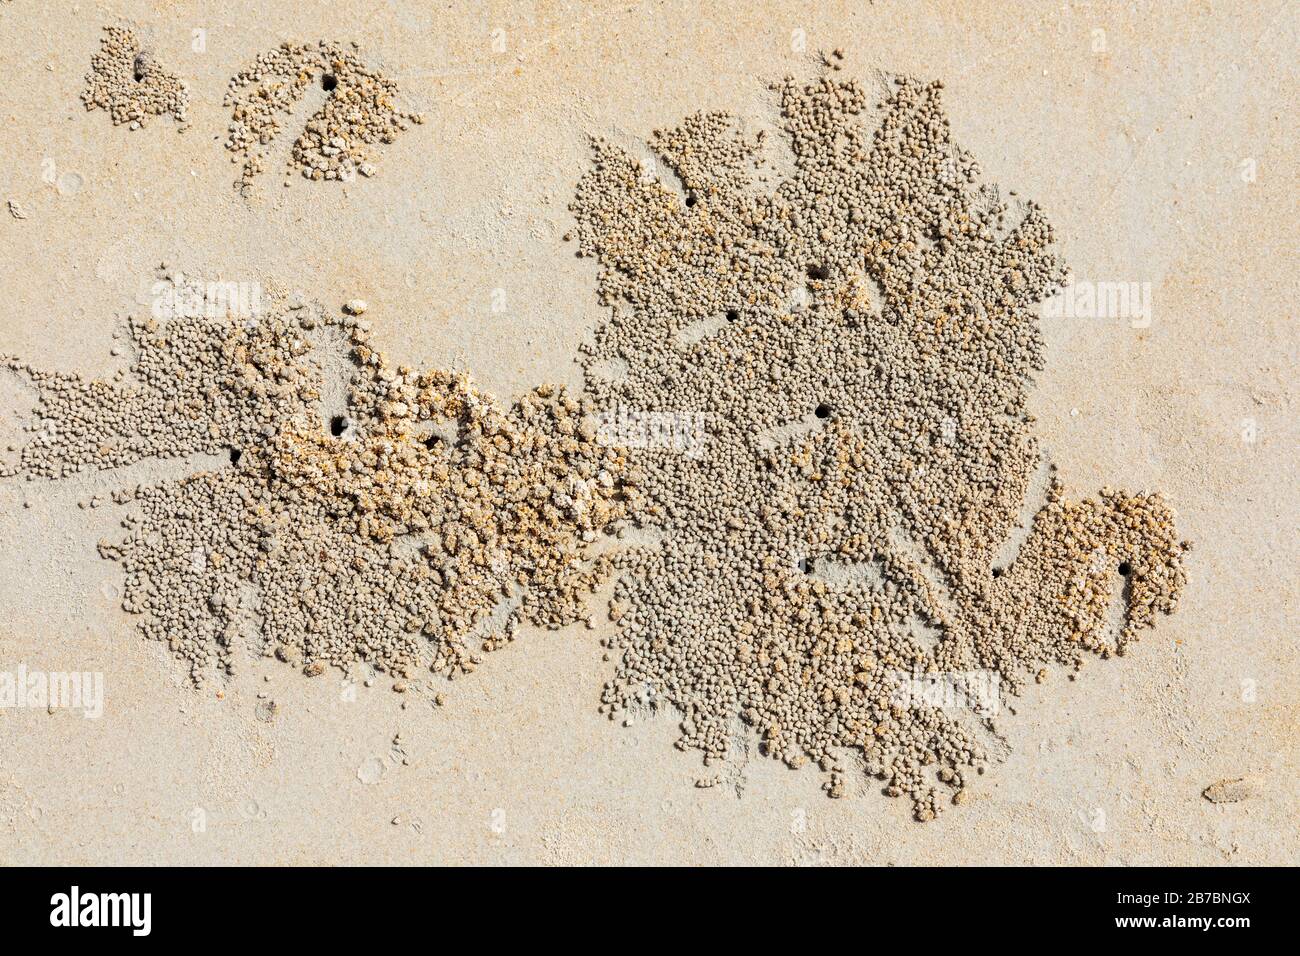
{"x": 1159, "y": 143}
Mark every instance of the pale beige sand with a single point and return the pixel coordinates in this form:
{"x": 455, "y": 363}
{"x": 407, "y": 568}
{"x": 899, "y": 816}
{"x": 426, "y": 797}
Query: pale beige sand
{"x": 1137, "y": 152}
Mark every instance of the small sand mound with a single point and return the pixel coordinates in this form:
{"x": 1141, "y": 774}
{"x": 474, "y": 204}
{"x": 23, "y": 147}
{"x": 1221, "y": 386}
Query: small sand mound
{"x": 128, "y": 82}
{"x": 358, "y": 111}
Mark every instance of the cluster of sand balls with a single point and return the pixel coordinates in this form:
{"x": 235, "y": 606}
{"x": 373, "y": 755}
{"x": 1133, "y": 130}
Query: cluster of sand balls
{"x": 859, "y": 344}
{"x": 836, "y": 372}
{"x": 127, "y": 81}
{"x": 414, "y": 528}
{"x": 359, "y": 110}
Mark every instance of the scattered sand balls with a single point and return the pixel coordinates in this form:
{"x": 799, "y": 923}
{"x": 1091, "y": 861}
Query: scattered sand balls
{"x": 417, "y": 537}
{"x": 358, "y": 111}
{"x": 836, "y": 371}
{"x": 859, "y": 345}
{"x": 128, "y": 82}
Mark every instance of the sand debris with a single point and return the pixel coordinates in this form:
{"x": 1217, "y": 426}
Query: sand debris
{"x": 127, "y": 81}
{"x": 808, "y": 405}
{"x": 358, "y": 110}
{"x": 412, "y": 524}
{"x": 824, "y": 387}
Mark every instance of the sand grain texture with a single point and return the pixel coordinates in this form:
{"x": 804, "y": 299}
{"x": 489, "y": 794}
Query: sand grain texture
{"x": 1160, "y": 151}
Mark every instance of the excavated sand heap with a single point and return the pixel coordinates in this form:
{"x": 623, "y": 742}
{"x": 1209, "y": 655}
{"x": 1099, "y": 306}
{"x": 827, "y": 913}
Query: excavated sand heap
{"x": 128, "y": 82}
{"x": 824, "y": 387}
{"x": 359, "y": 109}
{"x": 414, "y": 529}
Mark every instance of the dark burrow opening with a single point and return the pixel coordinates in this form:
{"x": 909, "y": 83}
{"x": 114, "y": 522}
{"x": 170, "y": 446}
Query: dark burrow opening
{"x": 338, "y": 425}
{"x": 822, "y": 411}
{"x": 806, "y": 565}
{"x": 818, "y": 272}
{"x": 690, "y": 199}
{"x": 432, "y": 441}
{"x": 997, "y": 572}
{"x": 328, "y": 81}
{"x": 138, "y": 67}
{"x": 235, "y": 455}
{"x": 1125, "y": 568}
{"x": 733, "y": 315}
